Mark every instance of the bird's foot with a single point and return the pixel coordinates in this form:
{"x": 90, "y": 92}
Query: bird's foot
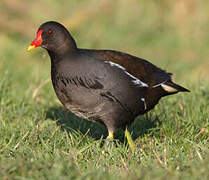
{"x": 109, "y": 142}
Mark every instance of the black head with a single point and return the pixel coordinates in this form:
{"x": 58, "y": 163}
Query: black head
{"x": 54, "y": 37}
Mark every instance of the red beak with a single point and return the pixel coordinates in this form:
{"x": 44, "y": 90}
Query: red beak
{"x": 37, "y": 42}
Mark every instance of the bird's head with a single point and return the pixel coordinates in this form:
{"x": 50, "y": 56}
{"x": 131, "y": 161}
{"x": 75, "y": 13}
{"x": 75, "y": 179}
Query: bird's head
{"x": 53, "y": 36}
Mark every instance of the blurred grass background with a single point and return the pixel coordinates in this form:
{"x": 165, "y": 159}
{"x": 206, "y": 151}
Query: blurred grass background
{"x": 173, "y": 35}
{"x": 170, "y": 34}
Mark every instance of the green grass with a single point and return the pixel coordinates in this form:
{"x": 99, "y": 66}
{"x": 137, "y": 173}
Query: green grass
{"x": 40, "y": 140}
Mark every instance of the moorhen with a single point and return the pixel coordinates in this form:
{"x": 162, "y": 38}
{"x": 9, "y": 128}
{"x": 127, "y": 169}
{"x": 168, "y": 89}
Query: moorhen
{"x": 106, "y": 86}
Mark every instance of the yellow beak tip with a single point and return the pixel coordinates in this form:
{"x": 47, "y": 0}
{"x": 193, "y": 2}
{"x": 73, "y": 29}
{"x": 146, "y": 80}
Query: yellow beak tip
{"x": 31, "y": 47}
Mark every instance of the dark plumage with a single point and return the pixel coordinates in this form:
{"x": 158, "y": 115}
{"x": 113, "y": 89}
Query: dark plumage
{"x": 106, "y": 86}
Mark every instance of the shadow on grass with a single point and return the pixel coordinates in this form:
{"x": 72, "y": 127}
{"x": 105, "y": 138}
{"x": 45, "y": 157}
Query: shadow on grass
{"x": 69, "y": 122}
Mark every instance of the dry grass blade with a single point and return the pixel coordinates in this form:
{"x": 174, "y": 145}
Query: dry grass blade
{"x": 203, "y": 130}
{"x": 36, "y": 91}
{"x": 37, "y": 130}
{"x": 165, "y": 152}
{"x": 17, "y": 145}
{"x": 156, "y": 155}
{"x": 198, "y": 153}
{"x": 158, "y": 158}
{"x": 84, "y": 136}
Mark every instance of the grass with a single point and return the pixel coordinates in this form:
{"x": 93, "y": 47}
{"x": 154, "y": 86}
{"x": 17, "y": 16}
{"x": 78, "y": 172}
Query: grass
{"x": 40, "y": 140}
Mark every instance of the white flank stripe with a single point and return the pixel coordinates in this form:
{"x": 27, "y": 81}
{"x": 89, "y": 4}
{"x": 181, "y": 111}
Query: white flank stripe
{"x": 135, "y": 80}
{"x": 158, "y": 84}
{"x": 145, "y": 105}
{"x": 114, "y": 64}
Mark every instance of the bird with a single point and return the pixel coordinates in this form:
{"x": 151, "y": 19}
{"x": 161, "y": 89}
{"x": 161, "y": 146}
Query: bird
{"x": 105, "y": 86}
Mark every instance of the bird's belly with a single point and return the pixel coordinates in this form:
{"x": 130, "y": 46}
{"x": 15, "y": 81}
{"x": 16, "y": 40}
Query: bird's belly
{"x": 113, "y": 110}
{"x": 82, "y": 102}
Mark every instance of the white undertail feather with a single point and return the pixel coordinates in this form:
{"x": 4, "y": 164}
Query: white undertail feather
{"x": 168, "y": 88}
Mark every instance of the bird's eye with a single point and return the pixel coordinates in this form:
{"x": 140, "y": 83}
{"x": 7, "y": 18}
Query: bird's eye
{"x": 50, "y": 32}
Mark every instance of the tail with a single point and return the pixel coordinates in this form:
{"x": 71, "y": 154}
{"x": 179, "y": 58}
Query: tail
{"x": 172, "y": 88}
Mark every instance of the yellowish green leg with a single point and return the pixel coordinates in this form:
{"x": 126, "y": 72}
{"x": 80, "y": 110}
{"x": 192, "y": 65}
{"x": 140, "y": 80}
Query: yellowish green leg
{"x": 129, "y": 139}
{"x": 111, "y": 135}
{"x": 108, "y": 142}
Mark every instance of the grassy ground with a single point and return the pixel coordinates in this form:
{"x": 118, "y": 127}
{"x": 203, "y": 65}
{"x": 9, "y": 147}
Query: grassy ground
{"x": 40, "y": 140}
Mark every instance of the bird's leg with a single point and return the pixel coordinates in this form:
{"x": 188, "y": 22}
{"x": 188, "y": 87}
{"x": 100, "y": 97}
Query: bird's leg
{"x": 109, "y": 141}
{"x": 129, "y": 139}
{"x": 111, "y": 135}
